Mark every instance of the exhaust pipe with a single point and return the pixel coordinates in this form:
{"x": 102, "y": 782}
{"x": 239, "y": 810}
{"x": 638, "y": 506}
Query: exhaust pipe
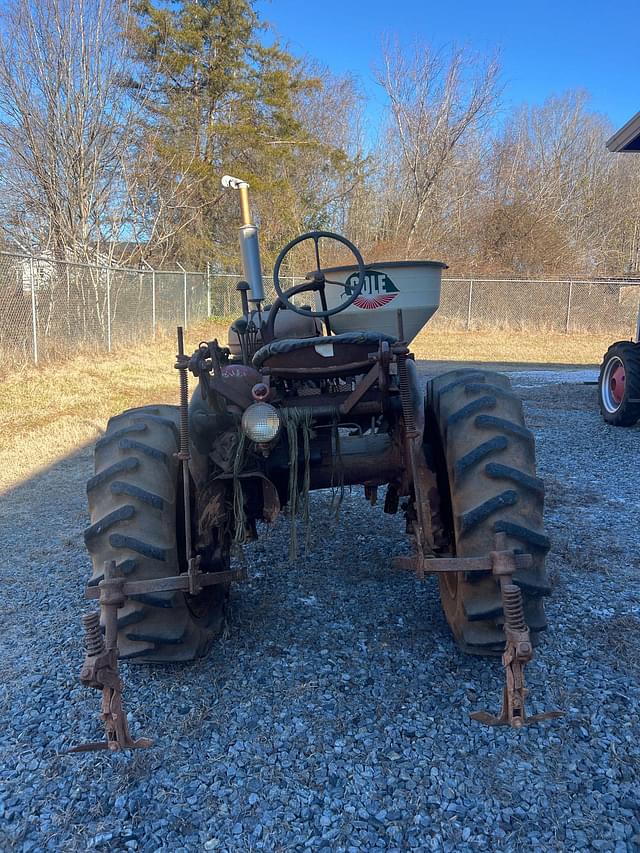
{"x": 248, "y": 233}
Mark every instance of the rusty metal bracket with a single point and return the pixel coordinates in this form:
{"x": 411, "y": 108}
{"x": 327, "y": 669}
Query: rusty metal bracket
{"x": 502, "y": 563}
{"x": 100, "y": 667}
{"x": 184, "y": 455}
{"x": 367, "y": 381}
{"x": 177, "y": 582}
{"x": 421, "y": 565}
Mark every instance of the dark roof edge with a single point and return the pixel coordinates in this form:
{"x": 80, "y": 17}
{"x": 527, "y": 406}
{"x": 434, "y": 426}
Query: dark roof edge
{"x": 627, "y": 134}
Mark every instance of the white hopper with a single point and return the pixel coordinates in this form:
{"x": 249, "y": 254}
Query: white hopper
{"x": 412, "y": 287}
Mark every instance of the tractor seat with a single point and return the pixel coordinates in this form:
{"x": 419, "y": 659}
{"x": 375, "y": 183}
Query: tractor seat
{"x": 322, "y": 356}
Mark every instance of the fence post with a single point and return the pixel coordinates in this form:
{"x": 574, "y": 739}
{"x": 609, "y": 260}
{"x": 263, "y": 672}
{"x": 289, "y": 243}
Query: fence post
{"x": 34, "y": 313}
{"x": 108, "y": 309}
{"x": 68, "y": 277}
{"x": 153, "y": 296}
{"x": 208, "y": 289}
{"x": 153, "y": 301}
{"x": 469, "y": 303}
{"x": 568, "y": 316}
{"x": 184, "y": 288}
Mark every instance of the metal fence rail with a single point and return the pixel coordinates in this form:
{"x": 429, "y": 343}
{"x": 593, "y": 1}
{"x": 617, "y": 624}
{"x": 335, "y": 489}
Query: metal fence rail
{"x": 597, "y": 306}
{"x": 604, "y": 306}
{"x": 50, "y": 308}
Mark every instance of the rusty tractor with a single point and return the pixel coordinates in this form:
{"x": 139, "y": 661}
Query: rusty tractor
{"x": 619, "y": 379}
{"x": 306, "y": 398}
{"x": 619, "y": 383}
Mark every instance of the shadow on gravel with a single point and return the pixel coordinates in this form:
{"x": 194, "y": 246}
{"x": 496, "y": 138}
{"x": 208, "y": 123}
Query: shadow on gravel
{"x": 28, "y": 494}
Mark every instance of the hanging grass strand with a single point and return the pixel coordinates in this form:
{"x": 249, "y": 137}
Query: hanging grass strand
{"x": 239, "y": 515}
{"x": 298, "y": 421}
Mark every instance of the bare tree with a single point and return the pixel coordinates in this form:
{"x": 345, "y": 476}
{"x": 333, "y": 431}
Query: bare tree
{"x": 63, "y": 124}
{"x": 326, "y": 161}
{"x": 163, "y": 197}
{"x": 435, "y": 98}
{"x": 555, "y": 200}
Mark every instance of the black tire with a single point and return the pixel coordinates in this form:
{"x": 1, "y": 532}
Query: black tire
{"x": 485, "y": 459}
{"x": 625, "y": 411}
{"x": 135, "y": 504}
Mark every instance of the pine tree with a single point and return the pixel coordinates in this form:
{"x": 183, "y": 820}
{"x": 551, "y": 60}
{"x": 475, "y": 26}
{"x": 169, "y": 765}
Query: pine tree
{"x": 217, "y": 99}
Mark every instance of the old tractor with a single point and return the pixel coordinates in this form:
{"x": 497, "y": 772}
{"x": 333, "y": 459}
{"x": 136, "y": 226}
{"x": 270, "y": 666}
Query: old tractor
{"x": 308, "y": 397}
{"x": 619, "y": 379}
{"x": 619, "y": 383}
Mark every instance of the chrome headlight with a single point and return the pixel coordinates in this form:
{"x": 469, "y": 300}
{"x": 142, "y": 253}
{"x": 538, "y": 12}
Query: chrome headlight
{"x": 261, "y": 423}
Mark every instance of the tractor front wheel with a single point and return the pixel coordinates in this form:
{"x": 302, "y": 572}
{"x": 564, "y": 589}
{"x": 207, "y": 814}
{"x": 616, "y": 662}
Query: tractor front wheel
{"x": 619, "y": 384}
{"x": 484, "y": 456}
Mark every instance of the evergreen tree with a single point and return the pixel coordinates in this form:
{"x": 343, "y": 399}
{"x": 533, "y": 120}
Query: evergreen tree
{"x": 217, "y": 99}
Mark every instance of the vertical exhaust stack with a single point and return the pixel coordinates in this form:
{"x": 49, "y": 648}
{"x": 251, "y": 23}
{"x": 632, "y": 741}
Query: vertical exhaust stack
{"x": 249, "y": 247}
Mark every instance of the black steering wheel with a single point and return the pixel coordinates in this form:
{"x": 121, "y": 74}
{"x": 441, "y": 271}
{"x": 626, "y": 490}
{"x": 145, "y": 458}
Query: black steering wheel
{"x": 317, "y": 278}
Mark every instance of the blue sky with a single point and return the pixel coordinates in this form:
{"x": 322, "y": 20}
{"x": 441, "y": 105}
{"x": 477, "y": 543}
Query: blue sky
{"x": 545, "y": 47}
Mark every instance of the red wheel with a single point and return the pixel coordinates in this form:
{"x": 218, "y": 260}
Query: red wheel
{"x": 616, "y": 383}
{"x": 619, "y": 384}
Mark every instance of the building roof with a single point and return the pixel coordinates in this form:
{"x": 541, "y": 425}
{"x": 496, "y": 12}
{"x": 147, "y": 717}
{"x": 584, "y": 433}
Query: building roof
{"x": 627, "y": 138}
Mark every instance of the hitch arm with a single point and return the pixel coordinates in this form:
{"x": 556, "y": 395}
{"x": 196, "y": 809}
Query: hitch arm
{"x": 100, "y": 667}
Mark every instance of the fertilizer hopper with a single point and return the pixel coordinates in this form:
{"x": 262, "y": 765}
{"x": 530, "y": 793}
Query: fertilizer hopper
{"x": 390, "y": 287}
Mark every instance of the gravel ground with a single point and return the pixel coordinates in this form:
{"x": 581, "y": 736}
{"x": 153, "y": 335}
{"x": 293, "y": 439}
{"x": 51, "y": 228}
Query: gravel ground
{"x": 334, "y": 717}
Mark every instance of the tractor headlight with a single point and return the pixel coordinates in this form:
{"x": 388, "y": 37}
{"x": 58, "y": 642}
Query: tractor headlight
{"x": 261, "y": 423}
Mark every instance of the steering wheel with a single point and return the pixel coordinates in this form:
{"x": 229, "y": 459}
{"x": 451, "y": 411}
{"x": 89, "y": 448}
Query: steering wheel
{"x": 317, "y": 278}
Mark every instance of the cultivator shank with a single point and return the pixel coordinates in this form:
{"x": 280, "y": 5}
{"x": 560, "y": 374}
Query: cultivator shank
{"x": 502, "y": 563}
{"x": 100, "y": 667}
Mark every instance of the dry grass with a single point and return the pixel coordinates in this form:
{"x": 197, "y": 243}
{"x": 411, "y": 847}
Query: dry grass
{"x": 619, "y": 636}
{"x": 510, "y": 346}
{"x": 47, "y": 413}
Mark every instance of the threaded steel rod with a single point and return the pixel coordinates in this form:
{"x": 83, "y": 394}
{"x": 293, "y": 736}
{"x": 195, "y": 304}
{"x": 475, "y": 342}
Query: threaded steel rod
{"x": 184, "y": 441}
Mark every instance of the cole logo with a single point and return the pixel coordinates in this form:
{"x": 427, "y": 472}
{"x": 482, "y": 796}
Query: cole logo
{"x": 377, "y": 290}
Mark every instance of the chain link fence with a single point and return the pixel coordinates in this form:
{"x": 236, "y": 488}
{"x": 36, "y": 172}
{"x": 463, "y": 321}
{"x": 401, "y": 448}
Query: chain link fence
{"x": 607, "y": 306}
{"x": 49, "y": 308}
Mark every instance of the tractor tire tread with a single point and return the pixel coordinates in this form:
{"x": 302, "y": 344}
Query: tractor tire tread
{"x": 134, "y": 509}
{"x": 488, "y": 461}
{"x": 488, "y": 401}
{"x": 507, "y": 472}
{"x": 628, "y": 412}
{"x": 469, "y": 460}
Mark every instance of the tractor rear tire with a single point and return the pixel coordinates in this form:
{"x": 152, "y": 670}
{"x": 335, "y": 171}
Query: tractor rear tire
{"x": 135, "y": 503}
{"x": 619, "y": 384}
{"x": 485, "y": 461}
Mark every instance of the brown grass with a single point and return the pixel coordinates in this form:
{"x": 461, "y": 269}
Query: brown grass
{"x": 619, "y": 636}
{"x": 510, "y": 346}
{"x": 48, "y": 412}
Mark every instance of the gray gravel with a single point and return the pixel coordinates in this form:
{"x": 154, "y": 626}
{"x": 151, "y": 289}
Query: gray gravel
{"x": 335, "y": 715}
